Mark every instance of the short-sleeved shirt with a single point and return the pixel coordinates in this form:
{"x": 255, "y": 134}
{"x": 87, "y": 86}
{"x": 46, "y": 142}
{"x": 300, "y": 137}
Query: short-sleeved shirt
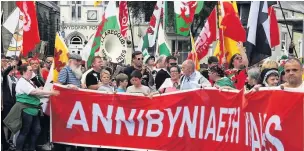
{"x": 23, "y": 89}
{"x": 92, "y": 78}
{"x": 66, "y": 76}
{"x": 143, "y": 89}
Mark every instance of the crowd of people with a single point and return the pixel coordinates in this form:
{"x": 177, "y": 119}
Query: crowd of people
{"x": 23, "y": 81}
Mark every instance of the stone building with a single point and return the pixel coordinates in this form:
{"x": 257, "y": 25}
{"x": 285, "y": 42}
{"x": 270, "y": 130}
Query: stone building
{"x": 48, "y": 16}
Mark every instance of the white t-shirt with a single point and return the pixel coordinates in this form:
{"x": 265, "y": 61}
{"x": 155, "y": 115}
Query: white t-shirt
{"x": 301, "y": 86}
{"x": 143, "y": 89}
{"x": 167, "y": 84}
{"x": 24, "y": 87}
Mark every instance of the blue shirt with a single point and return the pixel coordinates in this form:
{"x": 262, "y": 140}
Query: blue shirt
{"x": 120, "y": 90}
{"x": 66, "y": 76}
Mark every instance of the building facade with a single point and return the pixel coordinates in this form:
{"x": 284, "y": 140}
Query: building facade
{"x": 48, "y": 16}
{"x": 78, "y": 23}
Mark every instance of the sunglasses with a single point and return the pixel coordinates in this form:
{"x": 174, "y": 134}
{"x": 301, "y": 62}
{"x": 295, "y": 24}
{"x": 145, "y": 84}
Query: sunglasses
{"x": 173, "y": 64}
{"x": 48, "y": 62}
{"x": 238, "y": 58}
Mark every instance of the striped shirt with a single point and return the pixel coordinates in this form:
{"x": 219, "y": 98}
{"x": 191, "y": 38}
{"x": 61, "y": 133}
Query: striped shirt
{"x": 66, "y": 76}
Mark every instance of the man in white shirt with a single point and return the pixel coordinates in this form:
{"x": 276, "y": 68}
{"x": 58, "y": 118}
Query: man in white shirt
{"x": 191, "y": 78}
{"x": 293, "y": 73}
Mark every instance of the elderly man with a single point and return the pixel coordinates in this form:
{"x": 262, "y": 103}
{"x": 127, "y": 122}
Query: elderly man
{"x": 191, "y": 78}
{"x": 293, "y": 72}
{"x": 71, "y": 74}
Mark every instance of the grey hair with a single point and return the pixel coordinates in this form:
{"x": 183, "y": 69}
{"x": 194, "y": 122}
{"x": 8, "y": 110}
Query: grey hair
{"x": 190, "y": 63}
{"x": 160, "y": 59}
{"x": 254, "y": 73}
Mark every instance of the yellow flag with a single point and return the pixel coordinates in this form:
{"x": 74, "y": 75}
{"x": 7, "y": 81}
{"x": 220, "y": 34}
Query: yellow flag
{"x": 96, "y": 3}
{"x": 60, "y": 56}
{"x": 194, "y": 54}
{"x": 230, "y": 46}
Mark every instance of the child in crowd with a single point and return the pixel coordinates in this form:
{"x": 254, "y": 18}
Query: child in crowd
{"x": 122, "y": 82}
{"x": 105, "y": 81}
{"x": 137, "y": 87}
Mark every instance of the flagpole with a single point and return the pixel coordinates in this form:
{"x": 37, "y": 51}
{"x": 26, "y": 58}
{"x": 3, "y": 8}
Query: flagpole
{"x": 287, "y": 27}
{"x": 130, "y": 27}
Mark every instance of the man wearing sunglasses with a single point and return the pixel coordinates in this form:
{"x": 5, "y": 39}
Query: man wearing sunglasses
{"x": 47, "y": 66}
{"x": 137, "y": 64}
{"x": 164, "y": 63}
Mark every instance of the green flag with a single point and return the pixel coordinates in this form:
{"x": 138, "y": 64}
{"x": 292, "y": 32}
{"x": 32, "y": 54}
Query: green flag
{"x": 109, "y": 21}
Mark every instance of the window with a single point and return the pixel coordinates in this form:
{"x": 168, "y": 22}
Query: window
{"x": 76, "y": 10}
{"x": 76, "y": 40}
{"x": 79, "y": 12}
{"x": 183, "y": 49}
{"x": 283, "y": 41}
{"x": 73, "y": 12}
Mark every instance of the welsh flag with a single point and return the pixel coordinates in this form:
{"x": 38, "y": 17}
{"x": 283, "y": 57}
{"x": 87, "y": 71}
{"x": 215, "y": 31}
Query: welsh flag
{"x": 163, "y": 48}
{"x": 109, "y": 21}
{"x": 149, "y": 39}
{"x": 184, "y": 14}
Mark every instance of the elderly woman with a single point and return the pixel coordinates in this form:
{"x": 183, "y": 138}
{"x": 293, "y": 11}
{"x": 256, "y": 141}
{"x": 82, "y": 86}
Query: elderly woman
{"x": 170, "y": 84}
{"x": 216, "y": 74}
{"x": 269, "y": 77}
{"x": 26, "y": 109}
{"x": 253, "y": 77}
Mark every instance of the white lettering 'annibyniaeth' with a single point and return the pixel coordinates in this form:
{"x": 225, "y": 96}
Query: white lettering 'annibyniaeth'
{"x": 193, "y": 123}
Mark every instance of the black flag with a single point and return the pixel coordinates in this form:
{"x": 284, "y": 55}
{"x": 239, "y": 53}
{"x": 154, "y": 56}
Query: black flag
{"x": 258, "y": 33}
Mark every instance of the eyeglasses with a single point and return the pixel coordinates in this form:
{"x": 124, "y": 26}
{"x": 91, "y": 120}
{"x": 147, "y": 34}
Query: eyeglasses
{"x": 173, "y": 71}
{"x": 140, "y": 58}
{"x": 238, "y": 58}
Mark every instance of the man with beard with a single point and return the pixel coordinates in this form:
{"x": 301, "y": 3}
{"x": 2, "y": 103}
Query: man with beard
{"x": 93, "y": 77}
{"x": 137, "y": 64}
{"x": 293, "y": 72}
{"x": 71, "y": 74}
{"x": 47, "y": 66}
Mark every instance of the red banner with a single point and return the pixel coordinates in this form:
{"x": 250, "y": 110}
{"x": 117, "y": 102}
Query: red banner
{"x": 193, "y": 120}
{"x": 123, "y": 18}
{"x": 30, "y": 26}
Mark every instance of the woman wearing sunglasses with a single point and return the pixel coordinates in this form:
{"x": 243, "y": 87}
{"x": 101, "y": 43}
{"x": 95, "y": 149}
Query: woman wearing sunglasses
{"x": 237, "y": 67}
